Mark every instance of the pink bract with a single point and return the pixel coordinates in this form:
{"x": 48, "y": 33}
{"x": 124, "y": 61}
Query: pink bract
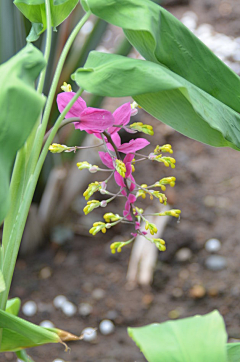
{"x": 90, "y": 119}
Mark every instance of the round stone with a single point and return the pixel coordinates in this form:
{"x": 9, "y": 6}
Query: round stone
{"x": 213, "y": 245}
{"x": 85, "y": 309}
{"x": 112, "y": 314}
{"x": 98, "y": 293}
{"x": 47, "y": 324}
{"x": 183, "y": 255}
{"x": 89, "y": 334}
{"x": 59, "y": 300}
{"x": 197, "y": 292}
{"x": 29, "y": 308}
{"x": 216, "y": 262}
{"x": 106, "y": 327}
{"x": 69, "y": 309}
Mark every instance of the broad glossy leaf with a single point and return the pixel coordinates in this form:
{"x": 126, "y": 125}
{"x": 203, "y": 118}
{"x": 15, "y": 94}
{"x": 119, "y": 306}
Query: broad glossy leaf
{"x": 34, "y": 10}
{"x": 20, "y": 107}
{"x": 233, "y": 352}
{"x": 13, "y": 306}
{"x": 165, "y": 95}
{"x": 163, "y": 39}
{"x": 198, "y": 339}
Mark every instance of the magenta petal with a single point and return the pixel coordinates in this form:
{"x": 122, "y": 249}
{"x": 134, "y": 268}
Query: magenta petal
{"x": 132, "y": 186}
{"x": 121, "y": 116}
{"x": 116, "y": 140}
{"x": 137, "y": 225}
{"x": 97, "y": 120}
{"x": 128, "y": 158}
{"x": 133, "y": 145}
{"x": 123, "y": 192}
{"x": 64, "y": 98}
{"x": 128, "y": 169}
{"x": 131, "y": 198}
{"x": 127, "y": 206}
{"x": 127, "y": 215}
{"x": 119, "y": 179}
{"x": 106, "y": 159}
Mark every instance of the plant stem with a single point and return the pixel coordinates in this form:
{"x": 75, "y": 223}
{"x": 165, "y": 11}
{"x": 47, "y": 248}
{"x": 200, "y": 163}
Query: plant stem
{"x": 64, "y": 123}
{"x": 48, "y": 45}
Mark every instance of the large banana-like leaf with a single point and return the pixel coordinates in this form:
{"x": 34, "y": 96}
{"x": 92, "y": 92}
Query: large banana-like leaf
{"x": 163, "y": 39}
{"x": 194, "y": 339}
{"x": 20, "y": 108}
{"x": 164, "y": 94}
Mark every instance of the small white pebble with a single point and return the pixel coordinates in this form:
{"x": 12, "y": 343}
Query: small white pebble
{"x": 85, "y": 309}
{"x": 58, "y": 360}
{"x": 69, "y": 309}
{"x": 98, "y": 293}
{"x": 59, "y": 300}
{"x": 106, "y": 327}
{"x": 89, "y": 334}
{"x": 213, "y": 245}
{"x": 29, "y": 308}
{"x": 47, "y": 324}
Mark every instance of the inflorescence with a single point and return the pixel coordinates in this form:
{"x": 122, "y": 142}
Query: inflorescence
{"x": 105, "y": 126}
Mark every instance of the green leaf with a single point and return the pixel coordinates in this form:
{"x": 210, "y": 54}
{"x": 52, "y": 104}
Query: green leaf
{"x": 20, "y": 107}
{"x": 233, "y": 352}
{"x": 163, "y": 39}
{"x": 198, "y": 339}
{"x": 34, "y": 10}
{"x": 20, "y": 334}
{"x": 35, "y": 32}
{"x": 2, "y": 282}
{"x": 13, "y": 306}
{"x": 164, "y": 94}
{"x": 23, "y": 356}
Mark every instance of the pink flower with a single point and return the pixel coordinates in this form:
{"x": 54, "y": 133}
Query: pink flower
{"x": 107, "y": 160}
{"x": 137, "y": 225}
{"x": 127, "y": 210}
{"x": 90, "y": 119}
{"x": 130, "y": 147}
{"x": 121, "y": 116}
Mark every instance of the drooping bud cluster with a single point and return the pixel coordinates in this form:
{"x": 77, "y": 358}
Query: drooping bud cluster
{"x": 105, "y": 126}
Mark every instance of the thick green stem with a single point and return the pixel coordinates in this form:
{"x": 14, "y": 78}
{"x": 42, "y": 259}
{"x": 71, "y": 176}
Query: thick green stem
{"x": 14, "y": 241}
{"x": 48, "y": 45}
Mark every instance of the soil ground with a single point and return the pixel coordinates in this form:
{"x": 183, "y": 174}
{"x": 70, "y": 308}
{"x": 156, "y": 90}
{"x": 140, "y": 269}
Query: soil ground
{"x": 208, "y": 193}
